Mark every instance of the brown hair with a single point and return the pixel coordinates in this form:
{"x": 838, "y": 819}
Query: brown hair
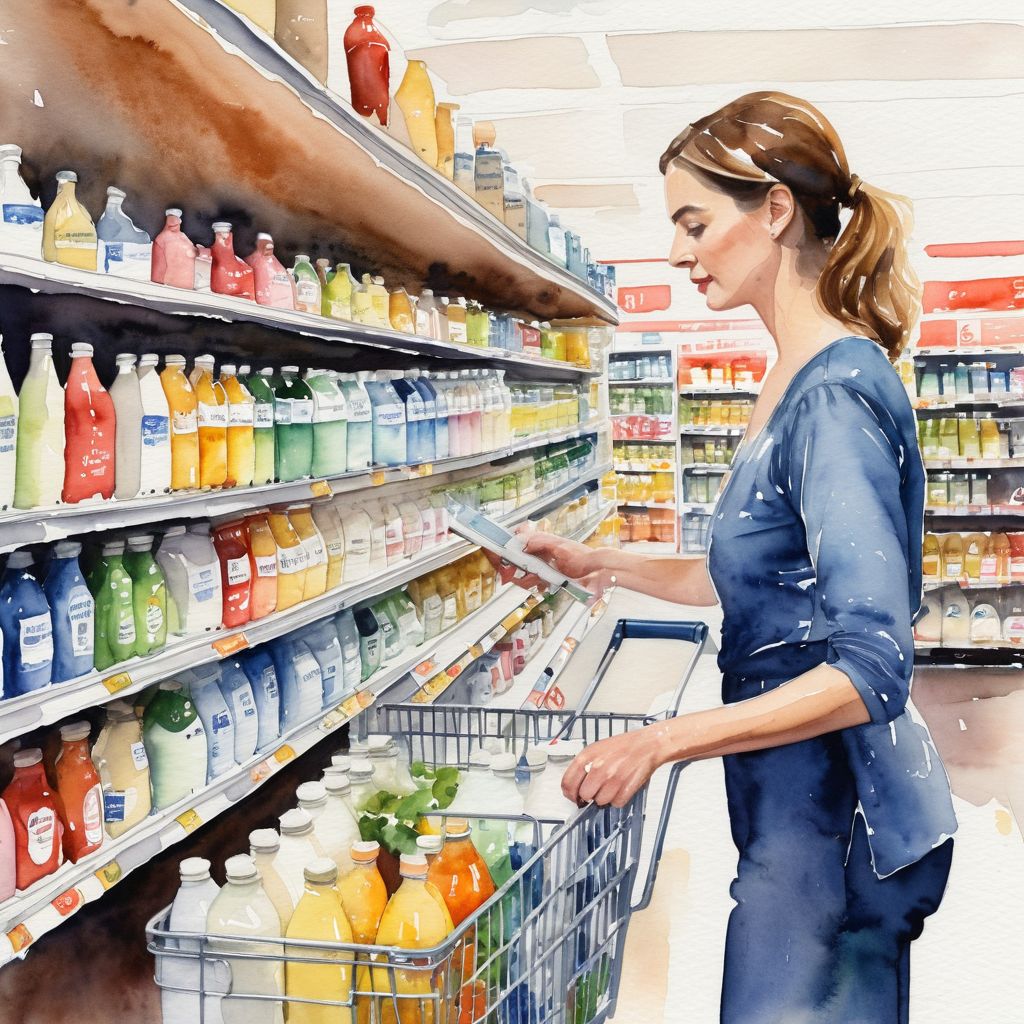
{"x": 763, "y": 138}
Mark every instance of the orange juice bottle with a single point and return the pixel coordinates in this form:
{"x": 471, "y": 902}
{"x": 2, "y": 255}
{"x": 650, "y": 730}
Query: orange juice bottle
{"x": 312, "y": 540}
{"x": 291, "y": 559}
{"x": 69, "y": 235}
{"x": 262, "y": 565}
{"x": 241, "y": 440}
{"x": 363, "y": 893}
{"x": 931, "y": 559}
{"x": 181, "y": 400}
{"x": 212, "y": 414}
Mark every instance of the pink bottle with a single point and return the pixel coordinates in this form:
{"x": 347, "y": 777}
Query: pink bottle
{"x": 90, "y": 424}
{"x": 174, "y": 256}
{"x": 274, "y": 285}
{"x": 230, "y": 275}
{"x": 8, "y": 855}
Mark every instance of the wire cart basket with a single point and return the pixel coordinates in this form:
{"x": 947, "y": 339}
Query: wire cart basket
{"x": 546, "y": 948}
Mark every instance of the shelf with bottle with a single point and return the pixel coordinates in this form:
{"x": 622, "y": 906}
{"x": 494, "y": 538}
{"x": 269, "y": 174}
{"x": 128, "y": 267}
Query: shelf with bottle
{"x": 689, "y": 390}
{"x": 388, "y": 204}
{"x": 969, "y": 511}
{"x": 688, "y": 430}
{"x": 45, "y": 905}
{"x": 644, "y": 470}
{"x": 647, "y": 504}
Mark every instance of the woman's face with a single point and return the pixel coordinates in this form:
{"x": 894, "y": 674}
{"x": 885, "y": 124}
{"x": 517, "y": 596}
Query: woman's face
{"x": 729, "y": 252}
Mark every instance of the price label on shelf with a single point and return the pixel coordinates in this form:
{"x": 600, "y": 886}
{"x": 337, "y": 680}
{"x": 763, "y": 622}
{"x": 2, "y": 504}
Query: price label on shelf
{"x": 67, "y": 902}
{"x": 110, "y": 874}
{"x": 424, "y": 668}
{"x": 320, "y": 489}
{"x": 228, "y": 645}
{"x": 189, "y": 820}
{"x": 115, "y": 684}
{"x": 378, "y": 477}
{"x": 365, "y": 698}
{"x": 20, "y": 938}
{"x": 424, "y": 469}
{"x": 350, "y": 707}
{"x": 284, "y": 754}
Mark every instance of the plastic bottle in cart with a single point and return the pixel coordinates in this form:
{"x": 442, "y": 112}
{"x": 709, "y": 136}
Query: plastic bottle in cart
{"x": 8, "y": 429}
{"x": 21, "y": 216}
{"x": 183, "y": 406}
{"x": 264, "y": 441}
{"x": 212, "y": 420}
{"x": 545, "y": 799}
{"x": 231, "y": 542}
{"x": 459, "y": 873}
{"x": 419, "y": 429}
{"x": 474, "y": 784}
{"x": 299, "y": 847}
{"x": 335, "y": 825}
{"x": 72, "y": 613}
{"x": 192, "y": 571}
{"x": 319, "y": 917}
{"x": 262, "y": 675}
{"x": 126, "y": 394}
{"x": 298, "y": 679}
{"x": 120, "y": 758}
{"x": 363, "y": 893}
{"x": 39, "y": 469}
{"x": 262, "y": 564}
{"x": 154, "y": 427}
{"x": 230, "y": 274}
{"x": 69, "y": 236}
{"x": 291, "y": 559}
{"x": 123, "y": 249}
{"x": 27, "y": 628}
{"x": 330, "y": 424}
{"x": 243, "y": 910}
{"x": 390, "y": 771}
{"x": 89, "y": 432}
{"x": 81, "y": 798}
{"x": 307, "y": 285}
{"x": 189, "y": 913}
{"x": 272, "y": 284}
{"x": 359, "y": 442}
{"x": 237, "y": 693}
{"x": 38, "y": 830}
{"x": 174, "y": 254}
{"x": 264, "y": 844}
{"x": 204, "y": 685}
{"x": 315, "y": 581}
{"x": 8, "y": 855}
{"x": 293, "y": 426}
{"x": 241, "y": 443}
{"x": 364, "y": 786}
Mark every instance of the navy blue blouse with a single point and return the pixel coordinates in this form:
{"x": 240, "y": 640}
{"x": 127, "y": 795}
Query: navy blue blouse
{"x": 815, "y": 553}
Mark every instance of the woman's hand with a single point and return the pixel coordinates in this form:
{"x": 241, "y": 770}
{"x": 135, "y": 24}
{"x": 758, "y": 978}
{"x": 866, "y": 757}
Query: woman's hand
{"x": 611, "y": 771}
{"x": 568, "y": 557}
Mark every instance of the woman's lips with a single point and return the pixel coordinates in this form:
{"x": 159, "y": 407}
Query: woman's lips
{"x": 702, "y": 283}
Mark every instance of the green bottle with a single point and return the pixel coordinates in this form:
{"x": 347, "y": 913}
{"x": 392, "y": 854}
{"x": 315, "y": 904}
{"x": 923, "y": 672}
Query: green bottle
{"x": 149, "y": 595}
{"x": 307, "y": 286}
{"x": 259, "y": 386}
{"x": 336, "y": 294}
{"x": 293, "y": 426}
{"x": 330, "y": 424}
{"x": 115, "y": 611}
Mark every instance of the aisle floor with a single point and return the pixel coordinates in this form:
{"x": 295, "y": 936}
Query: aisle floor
{"x": 966, "y": 966}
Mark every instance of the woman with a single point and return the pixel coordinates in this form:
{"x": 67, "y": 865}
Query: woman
{"x": 839, "y": 806}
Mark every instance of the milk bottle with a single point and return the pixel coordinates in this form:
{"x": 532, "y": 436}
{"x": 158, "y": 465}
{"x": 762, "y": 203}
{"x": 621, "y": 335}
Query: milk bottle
{"x": 126, "y": 395}
{"x": 175, "y": 745}
{"x": 8, "y": 433}
{"x": 155, "y": 429}
{"x": 72, "y": 611}
{"x": 123, "y": 249}
{"x": 259, "y": 669}
{"x": 336, "y": 827}
{"x": 348, "y": 639}
{"x": 192, "y": 570}
{"x": 299, "y": 847}
{"x": 21, "y": 216}
{"x": 237, "y": 692}
{"x": 298, "y": 676}
{"x": 360, "y": 425}
{"x": 216, "y": 719}
{"x": 120, "y": 758}
{"x": 26, "y": 627}
{"x": 322, "y": 641}
{"x": 69, "y": 236}
{"x": 189, "y": 913}
{"x": 40, "y": 459}
{"x": 264, "y": 844}
{"x": 330, "y": 424}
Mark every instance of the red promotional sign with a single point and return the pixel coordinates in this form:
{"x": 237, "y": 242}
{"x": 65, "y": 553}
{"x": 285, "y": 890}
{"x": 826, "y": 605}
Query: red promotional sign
{"x": 648, "y": 298}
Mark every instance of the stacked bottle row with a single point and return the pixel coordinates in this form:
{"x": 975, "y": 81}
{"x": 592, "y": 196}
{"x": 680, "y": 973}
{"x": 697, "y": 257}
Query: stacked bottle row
{"x": 659, "y": 488}
{"x": 648, "y": 457}
{"x": 713, "y": 412}
{"x": 965, "y": 380}
{"x": 954, "y": 617}
{"x": 118, "y": 247}
{"x": 707, "y": 451}
{"x": 640, "y": 367}
{"x": 702, "y": 487}
{"x": 979, "y": 558}
{"x": 653, "y": 401}
{"x": 970, "y": 437}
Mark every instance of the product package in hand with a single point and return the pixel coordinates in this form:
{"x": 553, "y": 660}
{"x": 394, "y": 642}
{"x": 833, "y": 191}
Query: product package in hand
{"x": 478, "y": 529}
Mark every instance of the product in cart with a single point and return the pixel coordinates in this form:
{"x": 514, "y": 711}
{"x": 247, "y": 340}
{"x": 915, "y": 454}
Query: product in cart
{"x": 120, "y": 758}
{"x": 78, "y": 786}
{"x": 175, "y": 745}
{"x": 243, "y": 909}
{"x": 122, "y": 248}
{"x": 204, "y": 685}
{"x": 40, "y": 453}
{"x": 459, "y": 873}
{"x": 72, "y": 613}
{"x": 38, "y": 832}
{"x": 27, "y": 628}
{"x": 363, "y": 893}
{"x": 230, "y": 274}
{"x": 299, "y": 847}
{"x": 264, "y": 844}
{"x": 21, "y": 216}
{"x": 212, "y": 423}
{"x": 259, "y": 670}
{"x": 69, "y": 235}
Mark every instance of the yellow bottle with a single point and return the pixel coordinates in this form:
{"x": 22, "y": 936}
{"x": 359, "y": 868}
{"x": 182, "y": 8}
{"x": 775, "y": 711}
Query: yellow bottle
{"x": 291, "y": 559}
{"x": 974, "y": 551}
{"x": 457, "y": 329}
{"x": 470, "y": 583}
{"x": 400, "y": 312}
{"x": 363, "y": 893}
{"x": 380, "y": 302}
{"x": 444, "y": 123}
{"x": 212, "y": 414}
{"x": 488, "y": 576}
{"x": 336, "y": 295}
{"x": 241, "y": 439}
{"x": 952, "y": 556}
{"x": 319, "y": 917}
{"x": 931, "y": 559}
{"x": 69, "y": 235}
{"x": 262, "y": 13}
{"x": 181, "y": 400}
{"x": 362, "y": 302}
{"x": 415, "y": 98}
{"x": 312, "y": 541}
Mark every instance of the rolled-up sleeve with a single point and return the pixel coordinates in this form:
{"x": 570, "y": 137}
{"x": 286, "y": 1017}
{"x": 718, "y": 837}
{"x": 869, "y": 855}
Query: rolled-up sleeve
{"x": 844, "y": 476}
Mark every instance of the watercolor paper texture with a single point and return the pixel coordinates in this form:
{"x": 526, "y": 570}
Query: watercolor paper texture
{"x": 153, "y": 96}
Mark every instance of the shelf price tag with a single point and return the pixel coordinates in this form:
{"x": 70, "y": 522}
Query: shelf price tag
{"x": 378, "y": 477}
{"x": 320, "y": 489}
{"x": 20, "y": 938}
{"x": 424, "y": 668}
{"x": 189, "y": 820}
{"x": 350, "y": 706}
{"x": 228, "y": 645}
{"x": 283, "y": 754}
{"x": 117, "y": 683}
{"x": 110, "y": 874}
{"x": 365, "y": 698}
{"x": 424, "y": 469}
{"x": 67, "y": 902}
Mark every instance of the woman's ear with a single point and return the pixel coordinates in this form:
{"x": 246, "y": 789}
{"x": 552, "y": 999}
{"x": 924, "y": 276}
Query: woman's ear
{"x": 781, "y": 208}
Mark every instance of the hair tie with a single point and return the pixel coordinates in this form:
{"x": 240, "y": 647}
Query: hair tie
{"x": 853, "y": 193}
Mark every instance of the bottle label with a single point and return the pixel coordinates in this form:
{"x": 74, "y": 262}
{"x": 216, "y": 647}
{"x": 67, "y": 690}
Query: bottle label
{"x": 415, "y": 410}
{"x": 359, "y": 408}
{"x": 314, "y": 548}
{"x": 81, "y": 616}
{"x": 335, "y": 548}
{"x": 263, "y": 415}
{"x": 203, "y": 583}
{"x": 953, "y": 570}
{"x": 237, "y": 570}
{"x": 75, "y": 240}
{"x": 212, "y": 416}
{"x": 113, "y": 806}
{"x": 266, "y": 565}
{"x": 8, "y": 434}
{"x": 154, "y": 618}
{"x": 330, "y": 409}
{"x": 184, "y": 422}
{"x": 302, "y": 410}
{"x": 307, "y": 293}
{"x": 340, "y": 310}
{"x": 36, "y": 635}
{"x": 282, "y": 411}
{"x": 220, "y": 721}
{"x": 422, "y": 322}
{"x": 291, "y": 560}
{"x": 41, "y": 828}
{"x": 270, "y": 683}
{"x": 92, "y": 816}
{"x": 240, "y": 414}
{"x": 390, "y": 415}
{"x": 457, "y": 332}
{"x": 24, "y": 214}
{"x": 155, "y": 431}
{"x": 131, "y": 259}
{"x": 126, "y": 629}
{"x": 139, "y": 756}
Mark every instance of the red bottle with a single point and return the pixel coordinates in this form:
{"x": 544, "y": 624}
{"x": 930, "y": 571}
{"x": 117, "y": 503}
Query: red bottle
{"x": 231, "y": 541}
{"x": 369, "y": 66}
{"x": 230, "y": 274}
{"x": 274, "y": 285}
{"x": 37, "y": 825}
{"x": 78, "y": 784}
{"x": 89, "y": 428}
{"x": 174, "y": 256}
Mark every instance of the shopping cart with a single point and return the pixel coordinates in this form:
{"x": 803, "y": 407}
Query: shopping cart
{"x": 547, "y": 948}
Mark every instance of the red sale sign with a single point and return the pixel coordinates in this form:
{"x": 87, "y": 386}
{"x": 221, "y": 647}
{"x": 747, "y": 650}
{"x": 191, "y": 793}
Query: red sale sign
{"x": 648, "y": 298}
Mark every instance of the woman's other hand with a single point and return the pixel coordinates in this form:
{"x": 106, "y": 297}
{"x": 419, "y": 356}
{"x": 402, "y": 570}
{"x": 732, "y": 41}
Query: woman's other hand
{"x": 612, "y": 771}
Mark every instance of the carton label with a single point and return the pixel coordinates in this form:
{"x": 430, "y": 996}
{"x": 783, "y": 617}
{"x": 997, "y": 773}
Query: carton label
{"x": 291, "y": 560}
{"x": 359, "y": 408}
{"x": 283, "y": 411}
{"x": 314, "y": 548}
{"x": 41, "y": 828}
{"x": 81, "y": 614}
{"x": 8, "y": 434}
{"x": 185, "y": 422}
{"x": 156, "y": 431}
{"x": 113, "y": 806}
{"x": 390, "y": 415}
{"x": 302, "y": 410}
{"x": 266, "y": 565}
{"x": 237, "y": 570}
{"x": 25, "y": 214}
{"x": 92, "y": 815}
{"x": 139, "y": 756}
{"x": 263, "y": 415}
{"x": 240, "y": 414}
{"x": 126, "y": 630}
{"x": 212, "y": 417}
{"x": 36, "y": 640}
{"x": 203, "y": 582}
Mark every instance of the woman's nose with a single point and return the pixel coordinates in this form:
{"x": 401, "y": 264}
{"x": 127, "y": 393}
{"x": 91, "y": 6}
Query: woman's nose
{"x": 680, "y": 255}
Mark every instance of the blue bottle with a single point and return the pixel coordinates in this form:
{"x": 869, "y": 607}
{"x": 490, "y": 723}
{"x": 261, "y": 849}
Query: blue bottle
{"x": 27, "y": 628}
{"x": 441, "y": 448}
{"x": 258, "y": 667}
{"x": 73, "y": 613}
{"x": 204, "y": 683}
{"x": 419, "y": 430}
{"x": 298, "y": 676}
{"x": 389, "y": 433}
{"x": 429, "y": 396}
{"x": 237, "y": 692}
{"x": 322, "y": 640}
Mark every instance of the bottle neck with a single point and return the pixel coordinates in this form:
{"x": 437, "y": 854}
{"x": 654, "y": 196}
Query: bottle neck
{"x": 66, "y": 188}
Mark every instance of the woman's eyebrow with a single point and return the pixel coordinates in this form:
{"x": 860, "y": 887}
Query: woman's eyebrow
{"x": 684, "y": 210}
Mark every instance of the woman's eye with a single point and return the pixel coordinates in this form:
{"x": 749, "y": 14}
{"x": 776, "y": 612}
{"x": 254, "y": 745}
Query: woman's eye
{"x": 695, "y": 230}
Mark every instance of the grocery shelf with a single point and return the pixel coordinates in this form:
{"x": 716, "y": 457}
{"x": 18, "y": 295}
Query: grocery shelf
{"x": 970, "y": 584}
{"x": 719, "y": 389}
{"x": 41, "y": 908}
{"x": 968, "y": 511}
{"x": 53, "y": 278}
{"x": 697, "y": 506}
{"x": 718, "y": 431}
{"x": 21, "y": 714}
{"x": 973, "y": 314}
{"x": 706, "y": 467}
{"x": 307, "y": 168}
{"x": 990, "y": 645}
{"x": 971, "y": 463}
{"x": 20, "y": 527}
{"x": 642, "y": 382}
{"x": 619, "y": 468}
{"x": 1000, "y": 399}
{"x": 647, "y": 504}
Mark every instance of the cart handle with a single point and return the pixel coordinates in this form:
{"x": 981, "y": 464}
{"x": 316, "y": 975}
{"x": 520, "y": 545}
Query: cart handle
{"x": 659, "y": 839}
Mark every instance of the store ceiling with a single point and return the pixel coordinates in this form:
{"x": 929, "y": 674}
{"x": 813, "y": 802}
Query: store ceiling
{"x": 587, "y": 93}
